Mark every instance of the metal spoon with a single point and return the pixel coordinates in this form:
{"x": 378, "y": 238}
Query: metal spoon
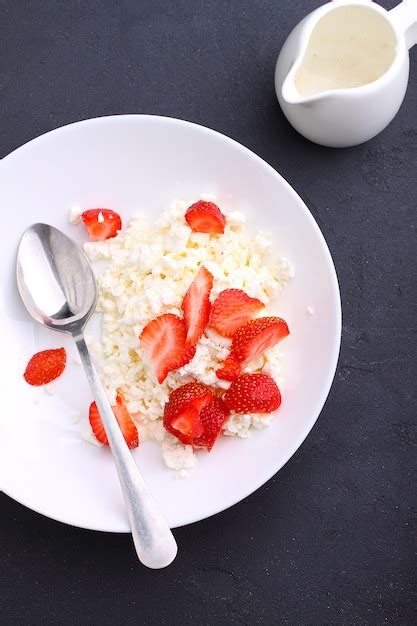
{"x": 58, "y": 288}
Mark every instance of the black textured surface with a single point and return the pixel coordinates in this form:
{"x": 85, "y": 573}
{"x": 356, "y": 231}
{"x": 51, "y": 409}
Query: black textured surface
{"x": 329, "y": 539}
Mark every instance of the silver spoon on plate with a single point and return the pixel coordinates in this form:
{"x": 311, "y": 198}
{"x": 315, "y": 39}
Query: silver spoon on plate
{"x": 58, "y": 288}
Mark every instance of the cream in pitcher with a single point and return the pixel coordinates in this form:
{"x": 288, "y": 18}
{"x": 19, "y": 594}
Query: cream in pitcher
{"x": 342, "y": 73}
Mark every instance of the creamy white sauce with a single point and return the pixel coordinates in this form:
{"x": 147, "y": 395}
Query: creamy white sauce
{"x": 349, "y": 47}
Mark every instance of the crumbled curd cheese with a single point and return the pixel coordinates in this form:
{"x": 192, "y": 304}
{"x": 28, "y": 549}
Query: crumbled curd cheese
{"x": 88, "y": 436}
{"x": 176, "y": 455}
{"x": 241, "y": 424}
{"x": 148, "y": 273}
{"x": 75, "y": 215}
{"x": 76, "y": 418}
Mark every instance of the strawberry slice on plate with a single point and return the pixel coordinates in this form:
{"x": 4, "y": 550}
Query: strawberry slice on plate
{"x": 124, "y": 420}
{"x": 231, "y": 309}
{"x": 256, "y": 336}
{"x": 164, "y": 342}
{"x": 45, "y": 366}
{"x": 195, "y": 415}
{"x": 212, "y": 418}
{"x": 101, "y": 224}
{"x": 196, "y": 305}
{"x": 253, "y": 393}
{"x": 250, "y": 341}
{"x": 205, "y": 217}
{"x": 230, "y": 369}
{"x": 182, "y": 411}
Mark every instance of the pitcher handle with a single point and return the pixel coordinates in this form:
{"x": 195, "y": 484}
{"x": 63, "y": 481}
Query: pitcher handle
{"x": 404, "y": 17}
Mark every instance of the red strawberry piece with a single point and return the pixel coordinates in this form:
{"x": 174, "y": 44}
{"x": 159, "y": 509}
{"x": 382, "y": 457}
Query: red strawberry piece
{"x": 251, "y": 340}
{"x": 230, "y": 369}
{"x": 257, "y": 336}
{"x": 45, "y": 366}
{"x": 182, "y": 411}
{"x": 212, "y": 418}
{"x": 196, "y": 305}
{"x": 205, "y": 217}
{"x": 124, "y": 420}
{"x": 101, "y": 224}
{"x": 253, "y": 393}
{"x": 189, "y": 352}
{"x": 163, "y": 341}
{"x": 231, "y": 309}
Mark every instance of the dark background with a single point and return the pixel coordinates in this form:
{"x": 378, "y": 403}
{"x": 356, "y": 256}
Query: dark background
{"x": 329, "y": 539}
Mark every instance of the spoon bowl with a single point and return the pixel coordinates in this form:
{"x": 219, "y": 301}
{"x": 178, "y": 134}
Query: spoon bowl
{"x": 58, "y": 288}
{"x": 55, "y": 279}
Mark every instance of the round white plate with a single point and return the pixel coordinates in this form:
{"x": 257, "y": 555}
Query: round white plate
{"x": 136, "y": 163}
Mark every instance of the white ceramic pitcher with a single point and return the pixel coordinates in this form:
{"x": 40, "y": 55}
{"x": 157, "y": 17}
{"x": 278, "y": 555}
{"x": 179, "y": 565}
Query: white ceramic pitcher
{"x": 342, "y": 74}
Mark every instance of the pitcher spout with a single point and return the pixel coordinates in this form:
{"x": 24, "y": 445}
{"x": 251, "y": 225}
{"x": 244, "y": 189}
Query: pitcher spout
{"x": 290, "y": 95}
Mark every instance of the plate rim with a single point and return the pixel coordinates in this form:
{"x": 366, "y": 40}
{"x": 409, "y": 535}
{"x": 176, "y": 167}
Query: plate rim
{"x": 190, "y": 519}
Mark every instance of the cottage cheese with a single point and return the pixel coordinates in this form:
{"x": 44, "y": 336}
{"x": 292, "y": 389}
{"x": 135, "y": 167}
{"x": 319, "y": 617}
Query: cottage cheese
{"x": 148, "y": 272}
{"x": 75, "y": 215}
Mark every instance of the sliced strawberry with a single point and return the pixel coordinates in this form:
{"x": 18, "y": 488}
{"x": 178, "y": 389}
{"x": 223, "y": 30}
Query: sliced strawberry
{"x": 256, "y": 336}
{"x": 231, "y": 309}
{"x": 124, "y": 420}
{"x": 182, "y": 411}
{"x": 163, "y": 341}
{"x": 212, "y": 418}
{"x": 253, "y": 393}
{"x": 189, "y": 352}
{"x": 187, "y": 424}
{"x": 205, "y": 217}
{"x": 195, "y": 415}
{"x": 250, "y": 341}
{"x": 230, "y": 369}
{"x": 196, "y": 305}
{"x": 45, "y": 366}
{"x": 101, "y": 223}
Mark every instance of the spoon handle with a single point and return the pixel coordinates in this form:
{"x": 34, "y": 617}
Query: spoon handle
{"x": 154, "y": 541}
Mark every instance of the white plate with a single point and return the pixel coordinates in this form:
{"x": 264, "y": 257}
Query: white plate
{"x": 133, "y": 164}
